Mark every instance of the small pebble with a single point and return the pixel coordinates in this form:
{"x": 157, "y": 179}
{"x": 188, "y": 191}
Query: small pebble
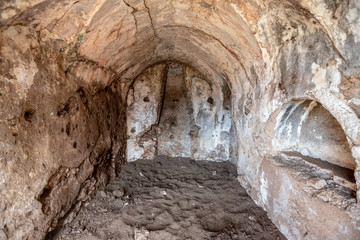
{"x": 118, "y": 193}
{"x": 102, "y": 210}
{"x": 252, "y": 218}
{"x": 102, "y": 194}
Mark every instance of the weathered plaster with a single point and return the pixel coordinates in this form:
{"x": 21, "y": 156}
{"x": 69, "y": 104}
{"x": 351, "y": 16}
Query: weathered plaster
{"x": 60, "y": 55}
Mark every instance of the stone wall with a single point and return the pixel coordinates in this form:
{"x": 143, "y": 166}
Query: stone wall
{"x": 143, "y": 113}
{"x": 61, "y": 137}
{"x": 269, "y": 53}
{"x": 174, "y": 111}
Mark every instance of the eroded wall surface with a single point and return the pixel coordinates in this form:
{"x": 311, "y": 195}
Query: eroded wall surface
{"x": 181, "y": 115}
{"x": 144, "y": 103}
{"x": 269, "y": 53}
{"x": 174, "y": 127}
{"x": 61, "y": 137}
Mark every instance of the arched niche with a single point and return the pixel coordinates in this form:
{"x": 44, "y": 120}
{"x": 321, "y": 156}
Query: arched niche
{"x": 174, "y": 110}
{"x": 305, "y": 128}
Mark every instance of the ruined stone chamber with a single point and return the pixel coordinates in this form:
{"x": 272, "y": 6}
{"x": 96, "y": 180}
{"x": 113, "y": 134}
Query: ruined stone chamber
{"x": 272, "y": 86}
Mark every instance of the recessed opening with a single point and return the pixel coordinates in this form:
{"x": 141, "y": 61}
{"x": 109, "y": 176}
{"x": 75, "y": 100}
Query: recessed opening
{"x": 29, "y": 115}
{"x": 306, "y": 129}
{"x": 210, "y": 100}
{"x": 189, "y": 116}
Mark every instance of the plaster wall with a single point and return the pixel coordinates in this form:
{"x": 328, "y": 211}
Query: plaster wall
{"x": 181, "y": 115}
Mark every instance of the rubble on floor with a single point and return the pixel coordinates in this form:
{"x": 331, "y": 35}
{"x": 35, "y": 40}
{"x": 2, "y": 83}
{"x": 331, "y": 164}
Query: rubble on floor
{"x": 172, "y": 198}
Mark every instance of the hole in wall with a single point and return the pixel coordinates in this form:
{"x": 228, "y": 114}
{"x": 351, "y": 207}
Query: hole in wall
{"x": 29, "y": 115}
{"x": 68, "y": 128}
{"x": 210, "y": 100}
{"x": 42, "y": 198}
{"x": 83, "y": 96}
{"x": 70, "y": 107}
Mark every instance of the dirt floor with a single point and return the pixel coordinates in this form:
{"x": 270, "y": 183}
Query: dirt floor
{"x": 169, "y": 199}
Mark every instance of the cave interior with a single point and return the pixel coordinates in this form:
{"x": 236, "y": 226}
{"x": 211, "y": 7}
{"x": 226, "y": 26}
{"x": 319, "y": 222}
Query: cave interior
{"x": 270, "y": 87}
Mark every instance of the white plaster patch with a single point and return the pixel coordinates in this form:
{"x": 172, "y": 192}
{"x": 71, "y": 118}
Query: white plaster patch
{"x": 334, "y": 77}
{"x": 134, "y": 152}
{"x": 304, "y": 151}
{"x": 324, "y": 15}
{"x": 284, "y": 230}
{"x": 8, "y": 13}
{"x": 143, "y": 102}
{"x": 353, "y": 17}
{"x": 343, "y": 228}
{"x": 305, "y": 115}
{"x": 355, "y": 101}
{"x": 272, "y": 106}
{"x": 24, "y": 74}
{"x": 2, "y": 177}
{"x": 264, "y": 186}
{"x": 319, "y": 78}
{"x": 284, "y": 129}
{"x": 356, "y": 152}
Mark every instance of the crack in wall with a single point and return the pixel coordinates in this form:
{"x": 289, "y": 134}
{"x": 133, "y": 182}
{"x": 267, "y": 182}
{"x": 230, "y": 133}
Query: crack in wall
{"x": 81, "y": 58}
{"x": 151, "y": 19}
{"x": 57, "y": 21}
{"x": 133, "y": 14}
{"x": 163, "y": 93}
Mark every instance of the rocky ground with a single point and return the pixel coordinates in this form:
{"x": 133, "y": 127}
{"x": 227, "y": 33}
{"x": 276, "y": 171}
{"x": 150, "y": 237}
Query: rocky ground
{"x": 172, "y": 199}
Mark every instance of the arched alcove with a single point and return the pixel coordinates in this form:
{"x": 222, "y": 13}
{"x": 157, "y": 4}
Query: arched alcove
{"x": 305, "y": 128}
{"x": 173, "y": 110}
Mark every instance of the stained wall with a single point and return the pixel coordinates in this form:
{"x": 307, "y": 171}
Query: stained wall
{"x": 179, "y": 114}
{"x": 268, "y": 53}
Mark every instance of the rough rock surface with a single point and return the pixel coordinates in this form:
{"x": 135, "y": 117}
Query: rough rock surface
{"x": 172, "y": 199}
{"x": 61, "y": 60}
{"x": 144, "y": 104}
{"x": 61, "y": 137}
{"x": 173, "y": 111}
